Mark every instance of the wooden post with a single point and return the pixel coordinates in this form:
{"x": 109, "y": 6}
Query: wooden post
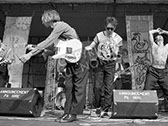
{"x": 139, "y": 50}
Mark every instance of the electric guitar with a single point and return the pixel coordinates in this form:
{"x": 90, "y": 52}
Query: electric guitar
{"x": 69, "y": 50}
{"x": 118, "y": 73}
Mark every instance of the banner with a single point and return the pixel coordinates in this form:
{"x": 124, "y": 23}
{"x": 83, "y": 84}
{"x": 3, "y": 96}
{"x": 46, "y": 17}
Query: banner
{"x": 15, "y": 38}
{"x": 139, "y": 51}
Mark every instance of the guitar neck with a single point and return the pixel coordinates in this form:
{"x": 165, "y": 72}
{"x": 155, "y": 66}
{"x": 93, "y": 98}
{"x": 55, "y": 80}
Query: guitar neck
{"x": 123, "y": 71}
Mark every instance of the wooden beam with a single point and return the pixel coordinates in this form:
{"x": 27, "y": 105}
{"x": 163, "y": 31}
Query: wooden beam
{"x": 144, "y": 1}
{"x": 56, "y": 1}
{"x": 84, "y": 1}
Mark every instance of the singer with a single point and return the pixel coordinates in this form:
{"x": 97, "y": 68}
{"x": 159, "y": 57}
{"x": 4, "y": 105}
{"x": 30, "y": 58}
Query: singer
{"x": 107, "y": 45}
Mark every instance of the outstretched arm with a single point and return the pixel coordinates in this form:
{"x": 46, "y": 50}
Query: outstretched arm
{"x": 51, "y": 39}
{"x": 93, "y": 44}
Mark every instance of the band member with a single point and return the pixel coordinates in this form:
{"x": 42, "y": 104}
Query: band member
{"x": 76, "y": 77}
{"x": 5, "y": 59}
{"x": 157, "y": 72}
{"x": 107, "y": 43}
{"x": 3, "y": 68}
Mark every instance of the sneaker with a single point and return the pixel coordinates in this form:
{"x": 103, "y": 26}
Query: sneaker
{"x": 71, "y": 119}
{"x": 63, "y": 117}
{"x": 104, "y": 114}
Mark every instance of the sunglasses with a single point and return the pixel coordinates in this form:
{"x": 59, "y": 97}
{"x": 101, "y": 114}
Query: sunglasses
{"x": 110, "y": 28}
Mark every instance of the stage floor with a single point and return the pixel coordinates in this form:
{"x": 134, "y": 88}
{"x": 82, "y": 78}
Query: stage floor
{"x": 87, "y": 119}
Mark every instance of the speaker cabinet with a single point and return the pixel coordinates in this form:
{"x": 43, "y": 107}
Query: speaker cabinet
{"x": 135, "y": 104}
{"x": 20, "y": 102}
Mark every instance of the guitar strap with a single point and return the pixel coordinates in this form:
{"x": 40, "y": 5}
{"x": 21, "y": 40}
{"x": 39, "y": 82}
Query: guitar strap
{"x": 63, "y": 37}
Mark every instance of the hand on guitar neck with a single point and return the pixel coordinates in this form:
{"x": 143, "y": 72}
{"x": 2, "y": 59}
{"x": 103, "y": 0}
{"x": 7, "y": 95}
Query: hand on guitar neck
{"x": 5, "y": 62}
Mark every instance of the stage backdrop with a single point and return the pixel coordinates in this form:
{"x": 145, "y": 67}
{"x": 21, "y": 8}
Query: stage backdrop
{"x": 139, "y": 51}
{"x": 16, "y": 37}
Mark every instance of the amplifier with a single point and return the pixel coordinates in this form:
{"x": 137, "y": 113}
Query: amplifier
{"x": 20, "y": 102}
{"x": 135, "y": 104}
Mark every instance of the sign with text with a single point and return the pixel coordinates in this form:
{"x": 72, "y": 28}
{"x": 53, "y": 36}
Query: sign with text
{"x": 15, "y": 93}
{"x": 135, "y": 95}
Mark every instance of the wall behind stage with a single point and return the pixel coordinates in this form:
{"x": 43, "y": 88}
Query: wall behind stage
{"x": 87, "y": 19}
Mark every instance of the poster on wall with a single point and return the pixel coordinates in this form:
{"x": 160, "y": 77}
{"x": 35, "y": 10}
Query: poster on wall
{"x": 139, "y": 51}
{"x": 15, "y": 38}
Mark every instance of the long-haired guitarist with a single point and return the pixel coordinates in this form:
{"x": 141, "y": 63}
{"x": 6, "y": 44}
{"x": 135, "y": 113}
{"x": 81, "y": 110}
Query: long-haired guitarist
{"x": 107, "y": 43}
{"x": 76, "y": 78}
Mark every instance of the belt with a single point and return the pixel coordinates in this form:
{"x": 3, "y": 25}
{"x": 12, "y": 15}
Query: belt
{"x": 159, "y": 66}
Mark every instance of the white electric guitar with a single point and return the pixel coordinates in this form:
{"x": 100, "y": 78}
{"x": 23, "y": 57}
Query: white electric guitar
{"x": 69, "y": 50}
